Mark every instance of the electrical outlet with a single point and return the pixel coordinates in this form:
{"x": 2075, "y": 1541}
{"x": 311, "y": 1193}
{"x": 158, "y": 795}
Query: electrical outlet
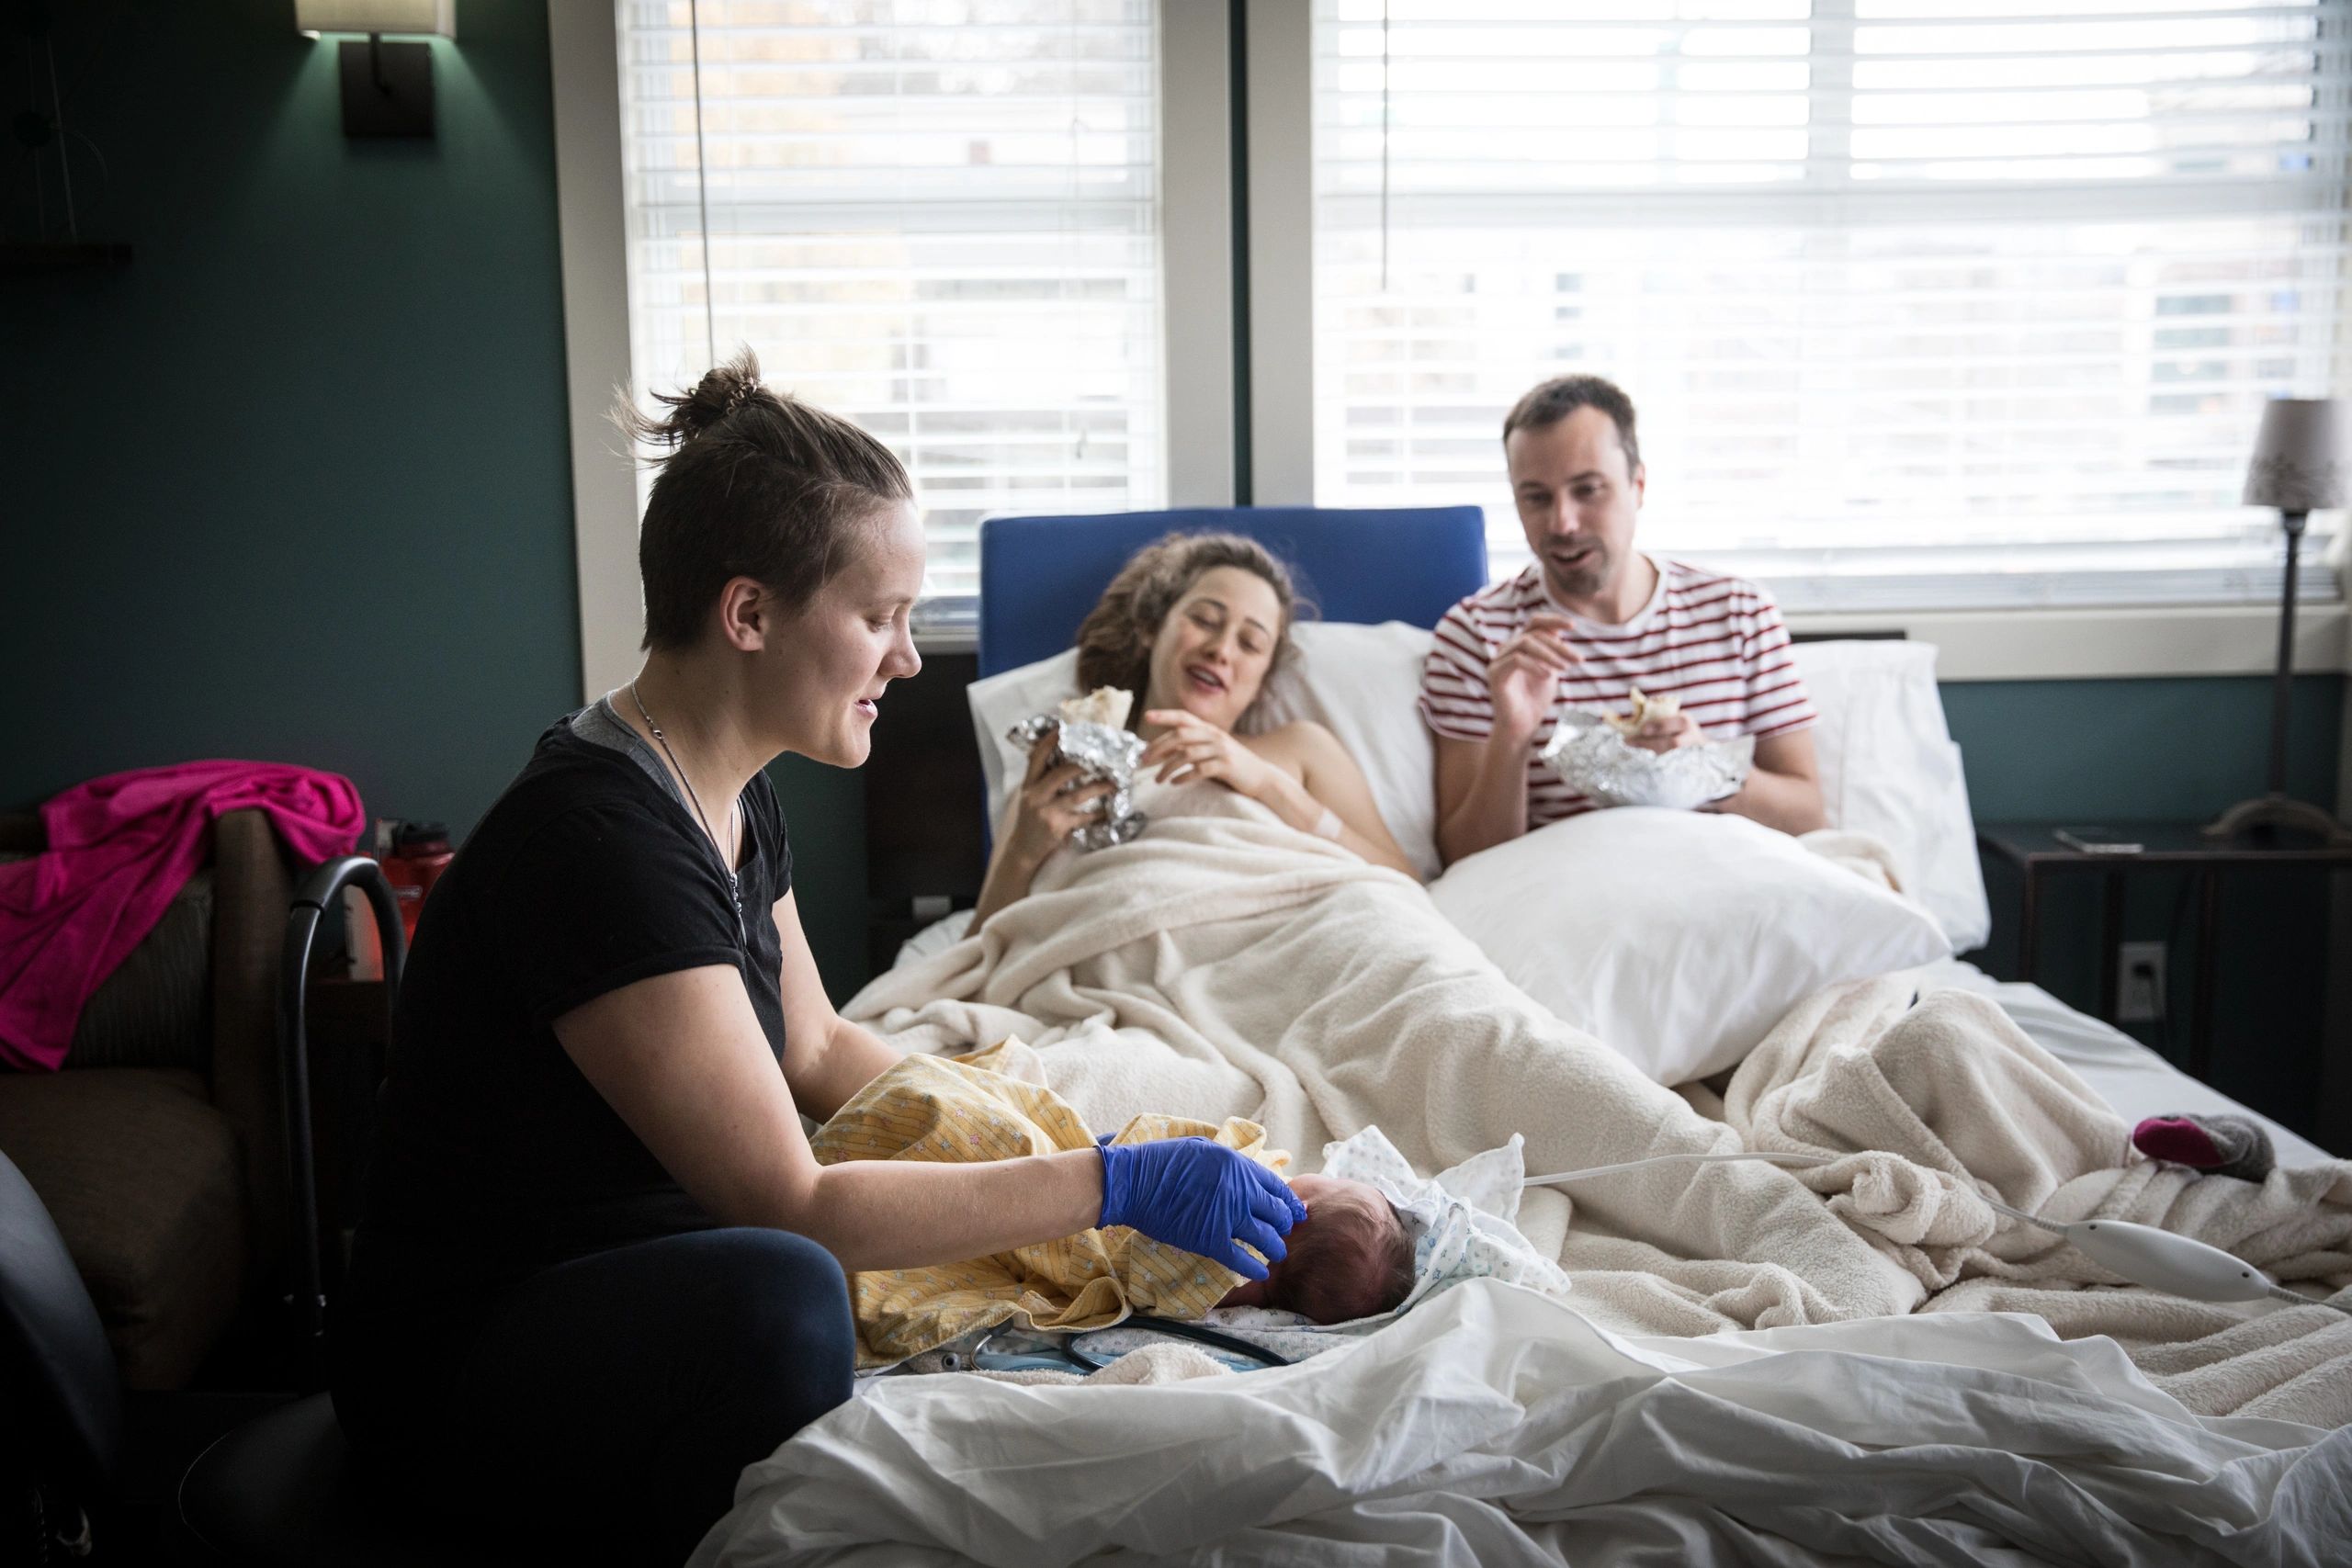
{"x": 2140, "y": 982}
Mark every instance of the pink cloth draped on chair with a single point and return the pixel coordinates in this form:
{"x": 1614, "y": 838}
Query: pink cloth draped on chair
{"x": 120, "y": 848}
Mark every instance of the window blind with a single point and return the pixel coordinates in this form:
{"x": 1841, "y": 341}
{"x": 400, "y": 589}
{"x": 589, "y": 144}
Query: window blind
{"x": 1924, "y": 303}
{"x": 937, "y": 218}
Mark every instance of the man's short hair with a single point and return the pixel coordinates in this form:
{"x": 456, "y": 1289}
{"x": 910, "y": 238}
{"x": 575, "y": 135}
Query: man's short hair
{"x": 1552, "y": 401}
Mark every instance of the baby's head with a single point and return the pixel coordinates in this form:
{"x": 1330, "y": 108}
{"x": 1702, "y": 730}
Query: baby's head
{"x": 1351, "y": 1257}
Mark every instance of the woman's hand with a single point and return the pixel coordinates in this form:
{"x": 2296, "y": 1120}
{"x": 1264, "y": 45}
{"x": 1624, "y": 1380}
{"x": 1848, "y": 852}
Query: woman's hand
{"x": 1202, "y": 1197}
{"x": 1191, "y": 748}
{"x": 1054, "y": 800}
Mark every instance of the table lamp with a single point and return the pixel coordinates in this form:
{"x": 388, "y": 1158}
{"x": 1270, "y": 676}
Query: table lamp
{"x": 2298, "y": 468}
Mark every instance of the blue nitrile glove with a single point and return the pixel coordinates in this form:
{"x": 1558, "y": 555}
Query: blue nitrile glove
{"x": 1200, "y": 1196}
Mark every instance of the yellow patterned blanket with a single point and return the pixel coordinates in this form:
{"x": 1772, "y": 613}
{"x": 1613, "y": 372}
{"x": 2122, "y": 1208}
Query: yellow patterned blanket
{"x": 927, "y": 1108}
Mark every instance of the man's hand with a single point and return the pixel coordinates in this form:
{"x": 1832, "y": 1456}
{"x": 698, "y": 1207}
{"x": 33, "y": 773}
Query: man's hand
{"x": 1669, "y": 733}
{"x": 1523, "y": 680}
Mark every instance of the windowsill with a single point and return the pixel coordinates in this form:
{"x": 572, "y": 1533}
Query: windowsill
{"x": 949, "y": 640}
{"x": 2108, "y": 644}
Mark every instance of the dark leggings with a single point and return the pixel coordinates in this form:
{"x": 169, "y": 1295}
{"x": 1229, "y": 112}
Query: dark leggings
{"x": 616, "y": 1397}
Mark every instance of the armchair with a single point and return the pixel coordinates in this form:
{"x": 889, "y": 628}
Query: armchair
{"x": 158, "y": 1147}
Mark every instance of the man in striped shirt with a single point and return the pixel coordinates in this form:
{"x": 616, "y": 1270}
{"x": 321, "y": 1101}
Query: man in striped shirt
{"x": 1589, "y": 620}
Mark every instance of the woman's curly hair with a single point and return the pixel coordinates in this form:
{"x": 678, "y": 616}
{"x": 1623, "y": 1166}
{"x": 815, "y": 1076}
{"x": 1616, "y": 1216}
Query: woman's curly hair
{"x": 1115, "y": 640}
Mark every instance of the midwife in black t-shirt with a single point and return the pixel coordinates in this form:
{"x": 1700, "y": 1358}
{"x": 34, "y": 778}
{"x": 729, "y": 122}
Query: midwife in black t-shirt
{"x": 599, "y": 1270}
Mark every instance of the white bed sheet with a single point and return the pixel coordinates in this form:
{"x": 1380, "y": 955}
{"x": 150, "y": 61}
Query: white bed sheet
{"x": 1495, "y": 1425}
{"x": 2129, "y": 1076}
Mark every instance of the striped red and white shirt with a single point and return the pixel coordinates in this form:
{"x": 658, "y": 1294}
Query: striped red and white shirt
{"x": 1717, "y": 643}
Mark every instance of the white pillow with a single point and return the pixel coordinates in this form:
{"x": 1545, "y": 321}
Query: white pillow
{"x": 1679, "y": 938}
{"x": 1362, "y": 683}
{"x": 1000, "y": 701}
{"x": 1889, "y": 769}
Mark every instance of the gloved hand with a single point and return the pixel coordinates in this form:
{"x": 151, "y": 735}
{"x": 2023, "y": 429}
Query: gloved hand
{"x": 1201, "y": 1196}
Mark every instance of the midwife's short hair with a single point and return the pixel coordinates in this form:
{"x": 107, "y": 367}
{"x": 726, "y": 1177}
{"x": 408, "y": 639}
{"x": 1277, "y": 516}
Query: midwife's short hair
{"x": 1552, "y": 401}
{"x": 753, "y": 484}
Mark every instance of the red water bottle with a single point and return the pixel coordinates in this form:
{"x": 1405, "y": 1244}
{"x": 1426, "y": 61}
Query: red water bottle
{"x": 419, "y": 854}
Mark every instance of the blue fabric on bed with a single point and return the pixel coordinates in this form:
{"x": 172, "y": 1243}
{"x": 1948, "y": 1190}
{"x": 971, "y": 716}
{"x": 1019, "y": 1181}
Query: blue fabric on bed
{"x": 1040, "y": 575}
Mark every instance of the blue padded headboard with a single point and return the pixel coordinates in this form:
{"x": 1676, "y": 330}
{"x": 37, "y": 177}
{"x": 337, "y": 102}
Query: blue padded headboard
{"x": 1039, "y": 576}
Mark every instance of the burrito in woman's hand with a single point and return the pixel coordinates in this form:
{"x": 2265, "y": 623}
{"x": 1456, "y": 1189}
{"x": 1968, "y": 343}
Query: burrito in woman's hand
{"x": 1093, "y": 734}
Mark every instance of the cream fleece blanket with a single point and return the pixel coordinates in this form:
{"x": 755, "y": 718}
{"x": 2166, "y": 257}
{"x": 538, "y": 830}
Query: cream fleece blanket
{"x": 1223, "y": 965}
{"x": 1952, "y": 1086}
{"x": 1228, "y": 965}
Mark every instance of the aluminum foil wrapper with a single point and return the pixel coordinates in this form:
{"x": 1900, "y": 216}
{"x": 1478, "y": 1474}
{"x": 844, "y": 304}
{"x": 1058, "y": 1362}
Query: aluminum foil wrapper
{"x": 1102, "y": 752}
{"x": 1594, "y": 760}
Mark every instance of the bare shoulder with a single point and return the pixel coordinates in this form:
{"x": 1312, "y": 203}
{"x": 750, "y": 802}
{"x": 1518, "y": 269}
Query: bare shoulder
{"x": 1300, "y": 738}
{"x": 1294, "y": 747}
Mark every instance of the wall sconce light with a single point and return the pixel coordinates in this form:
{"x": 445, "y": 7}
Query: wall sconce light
{"x": 387, "y": 87}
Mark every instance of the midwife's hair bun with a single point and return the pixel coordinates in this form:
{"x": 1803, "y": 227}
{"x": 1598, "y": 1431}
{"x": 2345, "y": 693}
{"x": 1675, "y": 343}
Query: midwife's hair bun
{"x": 752, "y": 484}
{"x": 723, "y": 390}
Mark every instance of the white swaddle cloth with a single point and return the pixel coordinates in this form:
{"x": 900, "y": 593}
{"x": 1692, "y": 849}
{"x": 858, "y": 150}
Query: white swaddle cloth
{"x": 1460, "y": 1219}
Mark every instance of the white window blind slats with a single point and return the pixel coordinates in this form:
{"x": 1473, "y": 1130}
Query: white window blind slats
{"x": 1924, "y": 302}
{"x": 937, "y": 218}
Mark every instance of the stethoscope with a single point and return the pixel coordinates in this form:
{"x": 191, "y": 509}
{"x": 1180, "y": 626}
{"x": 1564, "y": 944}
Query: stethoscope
{"x": 2160, "y": 1259}
{"x": 1073, "y": 1354}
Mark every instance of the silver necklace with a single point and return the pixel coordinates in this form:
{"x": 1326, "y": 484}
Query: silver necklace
{"x": 734, "y": 889}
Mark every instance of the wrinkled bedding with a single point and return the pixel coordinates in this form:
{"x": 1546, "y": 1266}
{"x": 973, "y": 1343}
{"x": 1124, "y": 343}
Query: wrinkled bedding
{"x": 1226, "y": 966}
{"x": 1498, "y": 1426}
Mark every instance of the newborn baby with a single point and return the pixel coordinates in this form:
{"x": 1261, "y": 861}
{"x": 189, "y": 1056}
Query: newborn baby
{"x": 1349, "y": 1258}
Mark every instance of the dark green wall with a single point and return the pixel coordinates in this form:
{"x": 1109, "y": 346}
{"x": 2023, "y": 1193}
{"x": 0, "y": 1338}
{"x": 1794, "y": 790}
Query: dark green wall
{"x": 296, "y": 484}
{"x": 2110, "y": 752}
{"x": 2182, "y": 748}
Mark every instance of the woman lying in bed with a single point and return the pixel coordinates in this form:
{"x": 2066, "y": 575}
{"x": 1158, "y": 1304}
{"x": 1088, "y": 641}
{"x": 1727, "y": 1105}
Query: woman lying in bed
{"x": 1194, "y": 624}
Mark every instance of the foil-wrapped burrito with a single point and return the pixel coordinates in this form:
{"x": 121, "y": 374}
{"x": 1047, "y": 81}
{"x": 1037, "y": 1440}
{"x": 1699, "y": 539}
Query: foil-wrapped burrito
{"x": 1095, "y": 734}
{"x": 1591, "y": 755}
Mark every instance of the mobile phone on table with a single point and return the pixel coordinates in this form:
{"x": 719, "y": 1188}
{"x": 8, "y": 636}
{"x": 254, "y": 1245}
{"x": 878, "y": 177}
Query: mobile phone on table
{"x": 2096, "y": 840}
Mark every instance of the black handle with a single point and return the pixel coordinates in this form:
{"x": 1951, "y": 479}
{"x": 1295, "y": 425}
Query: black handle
{"x": 321, "y": 891}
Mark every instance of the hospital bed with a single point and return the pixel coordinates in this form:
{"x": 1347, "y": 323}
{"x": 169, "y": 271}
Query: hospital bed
{"x": 1493, "y": 1425}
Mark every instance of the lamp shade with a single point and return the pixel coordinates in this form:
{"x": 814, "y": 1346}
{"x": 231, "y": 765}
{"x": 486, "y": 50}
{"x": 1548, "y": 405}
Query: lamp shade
{"x": 436, "y": 18}
{"x": 2298, "y": 457}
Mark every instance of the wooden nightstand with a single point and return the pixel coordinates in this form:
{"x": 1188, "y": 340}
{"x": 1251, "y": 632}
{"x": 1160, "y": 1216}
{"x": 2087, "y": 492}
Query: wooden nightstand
{"x": 2034, "y": 850}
